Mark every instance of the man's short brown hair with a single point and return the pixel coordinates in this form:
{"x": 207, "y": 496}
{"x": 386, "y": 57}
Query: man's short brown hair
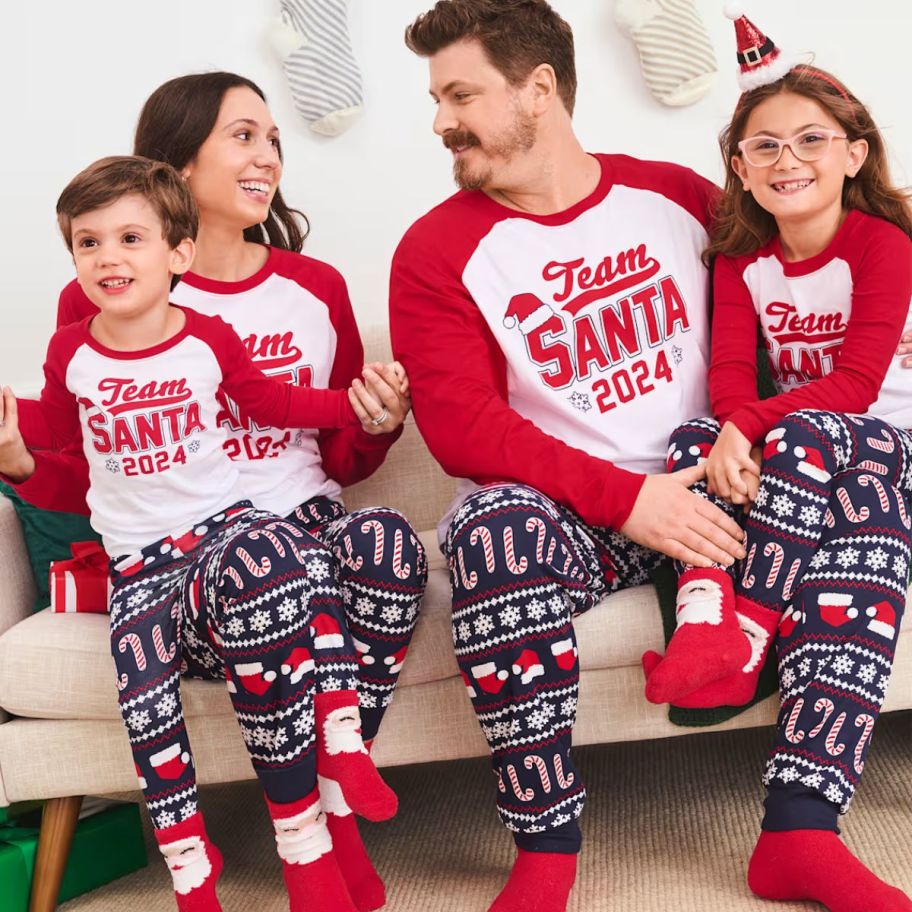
{"x": 517, "y": 36}
{"x": 107, "y": 180}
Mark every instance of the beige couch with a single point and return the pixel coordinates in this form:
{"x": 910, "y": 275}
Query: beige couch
{"x": 64, "y": 737}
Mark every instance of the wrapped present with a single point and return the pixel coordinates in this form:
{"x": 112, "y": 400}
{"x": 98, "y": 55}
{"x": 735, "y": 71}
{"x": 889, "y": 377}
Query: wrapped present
{"x": 82, "y": 584}
{"x": 107, "y": 845}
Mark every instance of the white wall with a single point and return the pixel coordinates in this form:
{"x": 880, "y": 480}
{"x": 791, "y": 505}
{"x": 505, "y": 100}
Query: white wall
{"x": 74, "y": 77}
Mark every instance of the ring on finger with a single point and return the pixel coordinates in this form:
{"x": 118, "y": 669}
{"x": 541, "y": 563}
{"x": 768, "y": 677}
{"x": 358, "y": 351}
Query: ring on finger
{"x": 376, "y": 422}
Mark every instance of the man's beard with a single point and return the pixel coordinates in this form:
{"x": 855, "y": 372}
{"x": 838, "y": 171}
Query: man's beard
{"x": 518, "y": 137}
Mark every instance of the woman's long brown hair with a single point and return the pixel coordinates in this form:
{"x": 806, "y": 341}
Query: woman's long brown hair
{"x": 176, "y": 120}
{"x": 742, "y": 225}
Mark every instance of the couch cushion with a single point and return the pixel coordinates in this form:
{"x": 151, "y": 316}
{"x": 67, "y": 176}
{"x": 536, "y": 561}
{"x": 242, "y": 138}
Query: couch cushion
{"x": 59, "y": 666}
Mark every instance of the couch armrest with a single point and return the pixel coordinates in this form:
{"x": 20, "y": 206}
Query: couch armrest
{"x": 17, "y": 586}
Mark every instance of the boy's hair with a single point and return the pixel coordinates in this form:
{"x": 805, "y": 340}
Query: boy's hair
{"x": 107, "y": 180}
{"x": 517, "y": 36}
{"x": 742, "y": 225}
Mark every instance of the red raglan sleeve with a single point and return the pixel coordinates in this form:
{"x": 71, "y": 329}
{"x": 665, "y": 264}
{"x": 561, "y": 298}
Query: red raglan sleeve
{"x": 733, "y": 365}
{"x": 265, "y": 399}
{"x": 458, "y": 380}
{"x": 349, "y": 454}
{"x": 60, "y": 482}
{"x": 882, "y": 290}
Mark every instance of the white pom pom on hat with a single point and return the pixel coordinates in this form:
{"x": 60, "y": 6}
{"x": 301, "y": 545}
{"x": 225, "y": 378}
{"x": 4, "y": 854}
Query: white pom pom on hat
{"x": 734, "y": 9}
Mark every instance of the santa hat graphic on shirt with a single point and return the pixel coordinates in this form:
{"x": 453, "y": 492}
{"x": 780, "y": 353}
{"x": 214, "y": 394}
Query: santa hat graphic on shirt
{"x": 298, "y": 664}
{"x": 327, "y": 633}
{"x": 836, "y": 609}
{"x": 811, "y": 464}
{"x": 395, "y": 660}
{"x": 170, "y": 763}
{"x": 564, "y": 653}
{"x": 883, "y": 620}
{"x": 253, "y": 679}
{"x": 528, "y": 666}
{"x": 527, "y": 312}
{"x": 489, "y": 679}
{"x": 760, "y": 61}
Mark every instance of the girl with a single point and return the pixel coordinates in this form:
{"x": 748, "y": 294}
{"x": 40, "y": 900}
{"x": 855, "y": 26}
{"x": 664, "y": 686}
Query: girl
{"x": 295, "y": 318}
{"x": 812, "y": 244}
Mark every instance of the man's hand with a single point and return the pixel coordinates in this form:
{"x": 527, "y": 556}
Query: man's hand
{"x": 727, "y": 463}
{"x": 669, "y": 518}
{"x": 904, "y": 350}
{"x": 16, "y": 461}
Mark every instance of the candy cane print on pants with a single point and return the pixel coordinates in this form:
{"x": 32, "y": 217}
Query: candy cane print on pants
{"x": 869, "y": 480}
{"x": 534, "y": 523}
{"x": 377, "y": 527}
{"x": 514, "y": 566}
{"x": 401, "y": 570}
{"x": 166, "y": 656}
{"x": 771, "y": 548}
{"x": 826, "y": 707}
{"x": 796, "y": 737}
{"x": 483, "y": 534}
{"x": 832, "y": 748}
{"x": 868, "y": 722}
{"x": 533, "y": 760}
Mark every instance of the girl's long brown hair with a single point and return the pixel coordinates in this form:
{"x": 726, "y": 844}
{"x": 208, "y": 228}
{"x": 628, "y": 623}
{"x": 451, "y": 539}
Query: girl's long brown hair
{"x": 176, "y": 120}
{"x": 742, "y": 225}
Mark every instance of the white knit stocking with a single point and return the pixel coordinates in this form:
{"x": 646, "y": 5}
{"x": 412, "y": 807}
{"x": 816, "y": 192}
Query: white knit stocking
{"x": 312, "y": 40}
{"x": 676, "y": 56}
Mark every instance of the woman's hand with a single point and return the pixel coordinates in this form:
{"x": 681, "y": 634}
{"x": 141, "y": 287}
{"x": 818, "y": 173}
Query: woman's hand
{"x": 730, "y": 465}
{"x": 16, "y": 461}
{"x": 381, "y": 401}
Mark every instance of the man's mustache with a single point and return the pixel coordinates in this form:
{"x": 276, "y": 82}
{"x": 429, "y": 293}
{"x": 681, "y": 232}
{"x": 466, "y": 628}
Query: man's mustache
{"x": 460, "y": 139}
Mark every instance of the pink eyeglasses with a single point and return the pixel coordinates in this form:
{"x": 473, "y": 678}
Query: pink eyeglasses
{"x": 807, "y": 146}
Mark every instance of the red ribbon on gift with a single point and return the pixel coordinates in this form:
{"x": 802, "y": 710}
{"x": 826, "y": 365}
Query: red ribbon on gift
{"x": 83, "y": 583}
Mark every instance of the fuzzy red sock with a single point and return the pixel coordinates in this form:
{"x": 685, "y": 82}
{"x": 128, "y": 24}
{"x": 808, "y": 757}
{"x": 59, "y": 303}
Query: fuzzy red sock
{"x": 708, "y": 643}
{"x": 758, "y": 626}
{"x": 364, "y": 883}
{"x": 195, "y": 864}
{"x": 312, "y": 875}
{"x": 539, "y": 882}
{"x": 343, "y": 757}
{"x": 816, "y": 865}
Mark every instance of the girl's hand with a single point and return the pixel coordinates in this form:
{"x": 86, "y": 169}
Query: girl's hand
{"x": 728, "y": 461}
{"x": 398, "y": 371}
{"x": 752, "y": 481}
{"x": 905, "y": 349}
{"x": 378, "y": 401}
{"x": 16, "y": 461}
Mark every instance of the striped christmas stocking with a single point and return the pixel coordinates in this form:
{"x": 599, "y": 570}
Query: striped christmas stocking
{"x": 311, "y": 38}
{"x": 676, "y": 56}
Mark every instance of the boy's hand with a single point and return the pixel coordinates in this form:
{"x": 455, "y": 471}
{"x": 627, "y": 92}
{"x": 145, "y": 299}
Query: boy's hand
{"x": 394, "y": 374}
{"x": 728, "y": 463}
{"x": 378, "y": 401}
{"x": 16, "y": 461}
{"x": 752, "y": 481}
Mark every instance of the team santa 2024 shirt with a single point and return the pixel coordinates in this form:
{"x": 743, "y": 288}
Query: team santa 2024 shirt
{"x": 150, "y": 423}
{"x": 831, "y": 325}
{"x": 559, "y": 351}
{"x": 296, "y": 321}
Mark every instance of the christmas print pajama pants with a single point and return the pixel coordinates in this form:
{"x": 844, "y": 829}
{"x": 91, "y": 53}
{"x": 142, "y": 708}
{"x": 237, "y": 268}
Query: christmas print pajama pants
{"x": 521, "y": 568}
{"x": 828, "y": 542}
{"x": 239, "y": 598}
{"x": 381, "y": 570}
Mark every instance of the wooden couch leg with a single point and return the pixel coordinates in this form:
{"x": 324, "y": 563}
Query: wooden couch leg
{"x": 58, "y": 825}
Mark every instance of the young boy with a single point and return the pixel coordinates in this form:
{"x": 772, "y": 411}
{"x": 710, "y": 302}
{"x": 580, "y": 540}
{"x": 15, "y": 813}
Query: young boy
{"x": 203, "y": 584}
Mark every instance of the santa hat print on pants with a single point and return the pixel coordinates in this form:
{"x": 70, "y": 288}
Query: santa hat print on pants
{"x": 327, "y": 632}
{"x": 253, "y": 679}
{"x": 170, "y": 763}
{"x": 760, "y": 61}
{"x": 528, "y": 666}
{"x": 298, "y": 664}
{"x": 883, "y": 620}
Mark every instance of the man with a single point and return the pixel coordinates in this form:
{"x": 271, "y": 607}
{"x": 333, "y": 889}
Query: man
{"x": 552, "y": 316}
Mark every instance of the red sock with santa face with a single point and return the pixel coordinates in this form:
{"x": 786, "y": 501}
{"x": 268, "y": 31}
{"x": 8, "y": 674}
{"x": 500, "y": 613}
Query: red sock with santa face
{"x": 195, "y": 864}
{"x": 708, "y": 643}
{"x": 815, "y": 865}
{"x": 312, "y": 875}
{"x": 343, "y": 757}
{"x": 364, "y": 884}
{"x": 539, "y": 882}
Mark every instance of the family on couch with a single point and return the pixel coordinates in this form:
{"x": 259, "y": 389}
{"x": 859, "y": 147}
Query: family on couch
{"x": 551, "y": 322}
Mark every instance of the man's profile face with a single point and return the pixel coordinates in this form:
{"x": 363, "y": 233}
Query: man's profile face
{"x": 481, "y": 118}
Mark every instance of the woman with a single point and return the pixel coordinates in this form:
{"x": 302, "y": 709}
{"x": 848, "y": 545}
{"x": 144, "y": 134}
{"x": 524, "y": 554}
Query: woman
{"x": 295, "y": 318}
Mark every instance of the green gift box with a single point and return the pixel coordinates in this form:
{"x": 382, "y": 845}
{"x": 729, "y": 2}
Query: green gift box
{"x": 107, "y": 845}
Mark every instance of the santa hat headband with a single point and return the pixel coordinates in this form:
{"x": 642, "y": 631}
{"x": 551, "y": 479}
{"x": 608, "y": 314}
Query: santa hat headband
{"x": 761, "y": 62}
